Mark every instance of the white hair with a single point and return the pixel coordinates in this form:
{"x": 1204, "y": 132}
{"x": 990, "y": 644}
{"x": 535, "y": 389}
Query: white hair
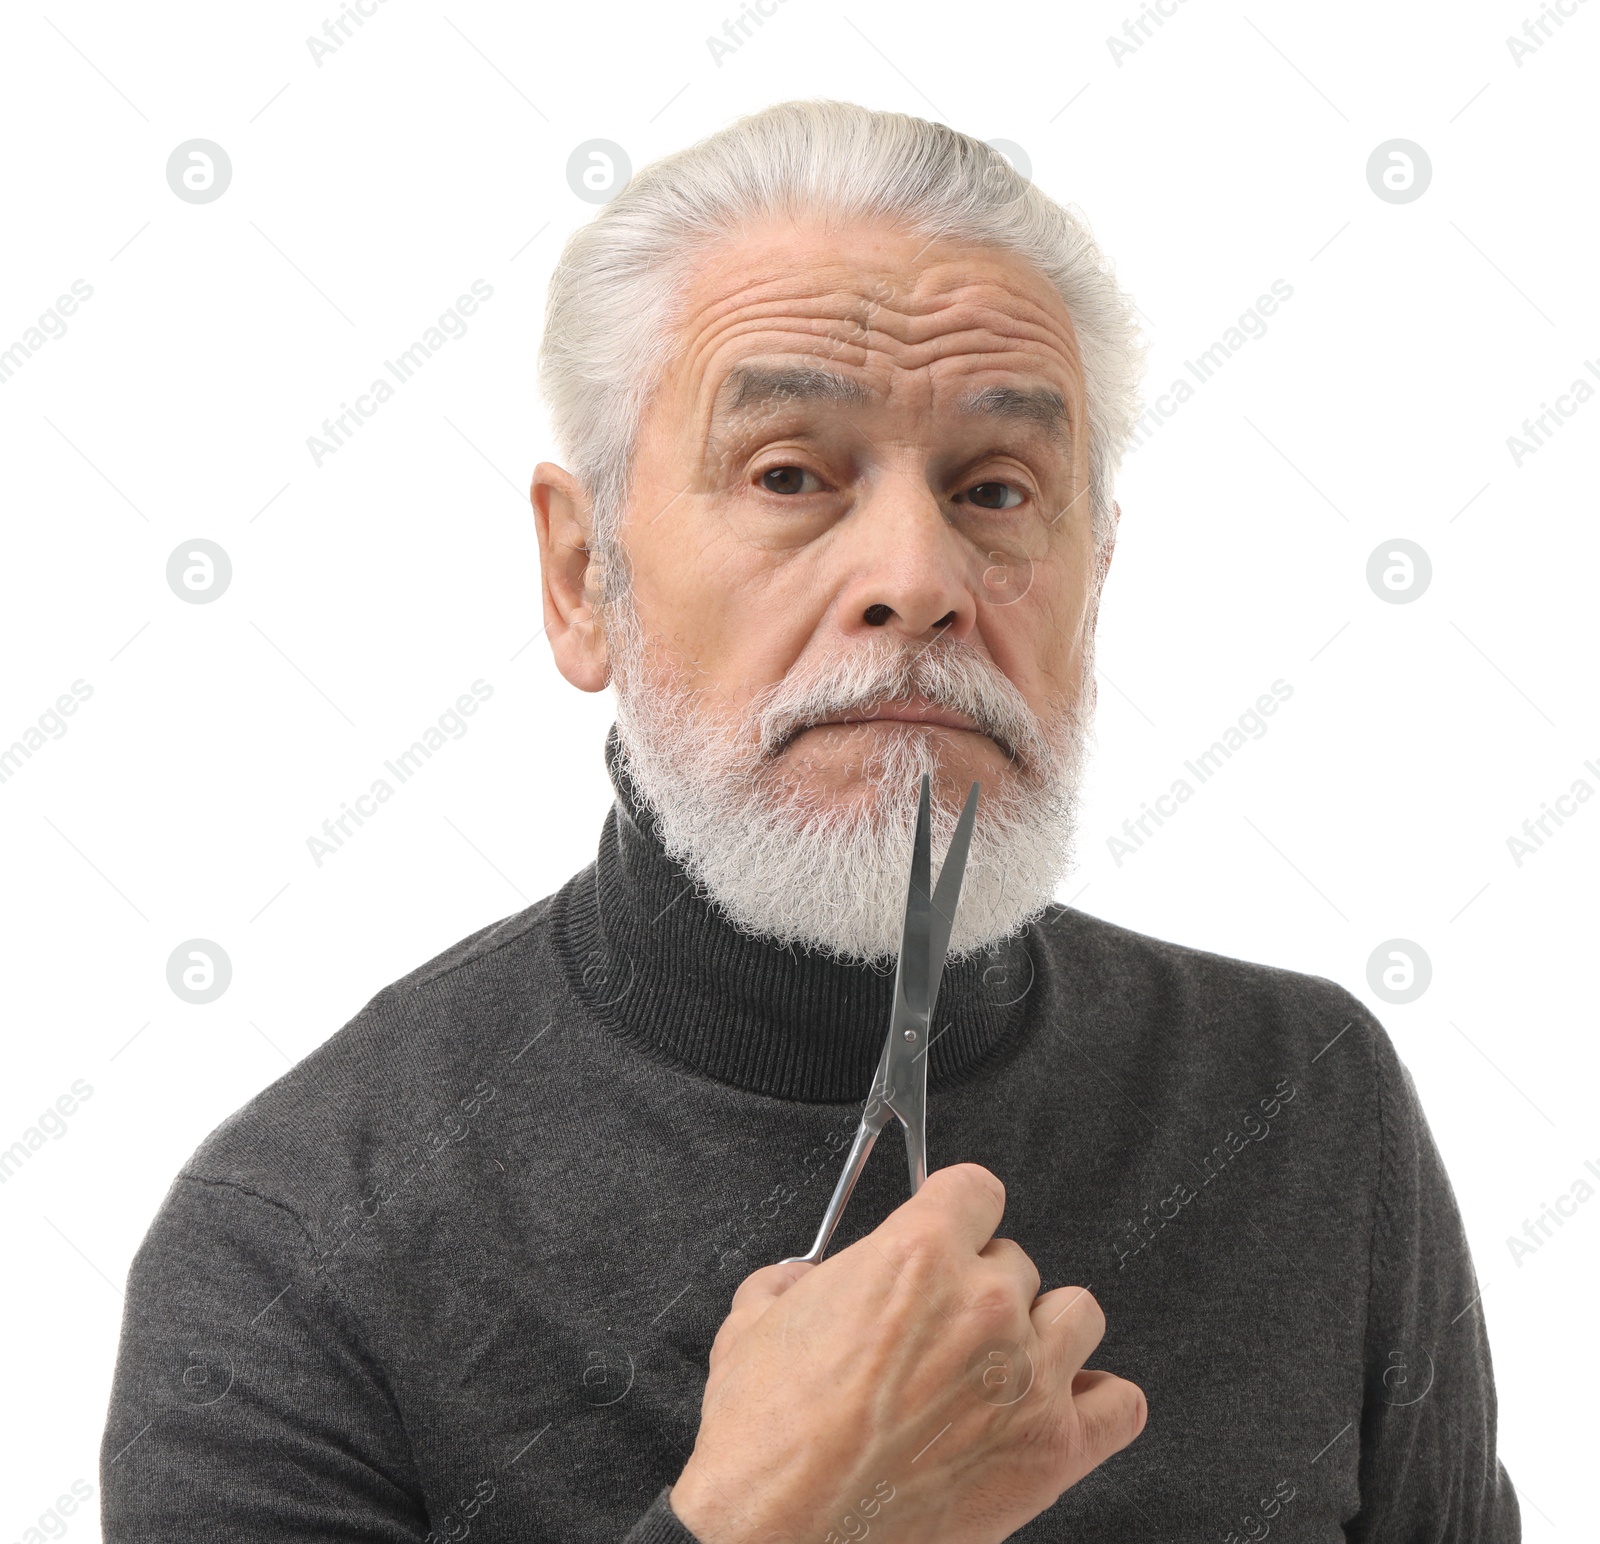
{"x": 612, "y": 306}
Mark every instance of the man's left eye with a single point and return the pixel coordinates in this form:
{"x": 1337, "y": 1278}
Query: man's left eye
{"x": 787, "y": 479}
{"x": 992, "y": 495}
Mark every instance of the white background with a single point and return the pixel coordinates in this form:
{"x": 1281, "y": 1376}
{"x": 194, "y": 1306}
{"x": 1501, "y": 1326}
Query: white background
{"x": 430, "y": 151}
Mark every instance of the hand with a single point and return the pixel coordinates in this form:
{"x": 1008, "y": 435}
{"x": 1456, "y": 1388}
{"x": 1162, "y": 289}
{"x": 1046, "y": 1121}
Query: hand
{"x": 912, "y": 1384}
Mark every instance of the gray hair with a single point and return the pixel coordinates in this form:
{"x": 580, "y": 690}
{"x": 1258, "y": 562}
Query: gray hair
{"x": 613, "y": 299}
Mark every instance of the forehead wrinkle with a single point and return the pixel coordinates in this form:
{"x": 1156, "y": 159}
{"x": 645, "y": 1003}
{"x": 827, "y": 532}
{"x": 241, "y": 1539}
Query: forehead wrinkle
{"x": 924, "y": 328}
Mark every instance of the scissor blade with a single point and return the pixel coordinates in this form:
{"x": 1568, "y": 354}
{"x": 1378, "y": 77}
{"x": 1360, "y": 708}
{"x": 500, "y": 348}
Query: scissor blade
{"x": 922, "y": 950}
{"x": 948, "y": 895}
{"x": 911, "y": 973}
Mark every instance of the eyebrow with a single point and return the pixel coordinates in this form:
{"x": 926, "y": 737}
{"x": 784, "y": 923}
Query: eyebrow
{"x": 751, "y": 388}
{"x": 748, "y": 386}
{"x": 1042, "y": 405}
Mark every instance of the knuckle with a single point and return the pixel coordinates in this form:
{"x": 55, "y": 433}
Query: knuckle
{"x": 983, "y": 1180}
{"x": 1009, "y": 1251}
{"x": 1113, "y": 1426}
{"x": 915, "y": 1246}
{"x": 992, "y": 1302}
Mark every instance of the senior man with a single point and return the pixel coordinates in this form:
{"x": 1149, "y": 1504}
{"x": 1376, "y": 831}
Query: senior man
{"x": 842, "y": 398}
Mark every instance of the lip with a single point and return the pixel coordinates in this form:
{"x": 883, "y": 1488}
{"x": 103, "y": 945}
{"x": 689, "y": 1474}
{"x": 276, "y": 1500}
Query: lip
{"x": 914, "y": 710}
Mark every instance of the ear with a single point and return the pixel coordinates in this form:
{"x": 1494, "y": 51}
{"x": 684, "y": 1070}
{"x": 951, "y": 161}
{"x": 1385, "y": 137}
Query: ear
{"x": 1097, "y": 579}
{"x": 1102, "y": 557}
{"x": 562, "y": 513}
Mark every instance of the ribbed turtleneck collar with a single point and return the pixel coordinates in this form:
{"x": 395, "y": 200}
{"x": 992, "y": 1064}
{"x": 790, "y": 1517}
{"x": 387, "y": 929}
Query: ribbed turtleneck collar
{"x": 660, "y": 966}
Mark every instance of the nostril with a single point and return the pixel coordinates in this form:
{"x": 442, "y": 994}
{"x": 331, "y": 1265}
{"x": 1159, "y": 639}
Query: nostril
{"x": 876, "y": 616}
{"x": 944, "y": 621}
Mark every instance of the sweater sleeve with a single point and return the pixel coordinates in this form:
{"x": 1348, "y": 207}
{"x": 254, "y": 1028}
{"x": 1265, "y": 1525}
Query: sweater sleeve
{"x": 660, "y": 1525}
{"x": 243, "y": 1406}
{"x": 1428, "y": 1469}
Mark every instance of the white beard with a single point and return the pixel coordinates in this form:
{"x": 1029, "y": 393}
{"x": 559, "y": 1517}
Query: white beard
{"x": 783, "y": 861}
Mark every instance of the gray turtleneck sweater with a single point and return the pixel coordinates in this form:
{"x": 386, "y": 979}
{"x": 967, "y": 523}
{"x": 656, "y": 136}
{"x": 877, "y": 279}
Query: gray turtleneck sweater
{"x": 459, "y": 1271}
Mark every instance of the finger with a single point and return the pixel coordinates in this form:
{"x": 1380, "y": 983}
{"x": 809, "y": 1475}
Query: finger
{"x": 964, "y": 1204}
{"x": 1014, "y": 1263}
{"x": 759, "y": 1288}
{"x": 1069, "y": 1324}
{"x": 1111, "y": 1412}
{"x": 753, "y": 1297}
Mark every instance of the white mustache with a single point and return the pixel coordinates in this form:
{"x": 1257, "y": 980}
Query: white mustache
{"x": 954, "y": 675}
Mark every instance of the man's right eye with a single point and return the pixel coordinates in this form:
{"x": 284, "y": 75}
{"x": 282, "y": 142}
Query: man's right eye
{"x": 787, "y": 479}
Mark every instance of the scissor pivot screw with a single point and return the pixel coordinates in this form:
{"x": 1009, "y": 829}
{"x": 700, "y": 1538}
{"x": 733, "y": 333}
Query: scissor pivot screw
{"x": 911, "y": 1034}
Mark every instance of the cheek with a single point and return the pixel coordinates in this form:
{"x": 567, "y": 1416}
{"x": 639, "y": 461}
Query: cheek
{"x": 1038, "y": 640}
{"x": 740, "y": 617}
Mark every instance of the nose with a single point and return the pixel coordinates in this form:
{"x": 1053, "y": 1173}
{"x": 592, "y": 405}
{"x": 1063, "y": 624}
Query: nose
{"x": 909, "y": 571}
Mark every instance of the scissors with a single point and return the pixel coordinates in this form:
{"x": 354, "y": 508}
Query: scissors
{"x": 900, "y": 1085}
